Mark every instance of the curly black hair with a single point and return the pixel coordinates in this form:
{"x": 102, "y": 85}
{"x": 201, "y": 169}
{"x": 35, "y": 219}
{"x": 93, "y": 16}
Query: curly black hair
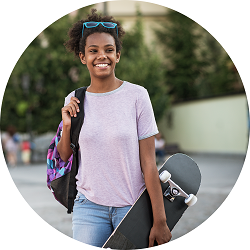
{"x": 77, "y": 42}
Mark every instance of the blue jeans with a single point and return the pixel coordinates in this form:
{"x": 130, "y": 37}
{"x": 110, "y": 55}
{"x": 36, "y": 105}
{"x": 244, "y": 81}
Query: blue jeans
{"x": 93, "y": 223}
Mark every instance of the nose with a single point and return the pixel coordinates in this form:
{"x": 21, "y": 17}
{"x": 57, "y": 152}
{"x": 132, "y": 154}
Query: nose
{"x": 101, "y": 56}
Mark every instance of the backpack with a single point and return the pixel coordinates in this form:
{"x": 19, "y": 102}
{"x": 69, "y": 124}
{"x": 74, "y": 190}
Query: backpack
{"x": 61, "y": 175}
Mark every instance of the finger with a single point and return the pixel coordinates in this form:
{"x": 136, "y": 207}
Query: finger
{"x": 69, "y": 109}
{"x": 75, "y": 103}
{"x": 74, "y": 99}
{"x": 151, "y": 242}
{"x": 74, "y": 107}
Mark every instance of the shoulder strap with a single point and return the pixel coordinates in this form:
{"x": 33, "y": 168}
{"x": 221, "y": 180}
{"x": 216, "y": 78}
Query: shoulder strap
{"x": 76, "y": 122}
{"x": 76, "y": 125}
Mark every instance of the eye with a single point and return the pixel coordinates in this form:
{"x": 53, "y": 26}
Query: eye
{"x": 93, "y": 51}
{"x": 110, "y": 50}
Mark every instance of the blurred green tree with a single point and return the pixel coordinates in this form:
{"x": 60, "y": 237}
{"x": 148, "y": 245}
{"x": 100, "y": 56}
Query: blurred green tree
{"x": 220, "y": 76}
{"x": 46, "y": 73}
{"x": 142, "y": 66}
{"x": 182, "y": 66}
{"x": 42, "y": 77}
{"x": 196, "y": 66}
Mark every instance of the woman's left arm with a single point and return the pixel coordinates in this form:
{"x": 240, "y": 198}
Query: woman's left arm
{"x": 160, "y": 231}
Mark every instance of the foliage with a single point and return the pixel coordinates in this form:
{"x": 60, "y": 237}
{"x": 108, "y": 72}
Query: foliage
{"x": 141, "y": 66}
{"x": 50, "y": 73}
{"x": 180, "y": 44}
{"x": 196, "y": 65}
{"x": 220, "y": 76}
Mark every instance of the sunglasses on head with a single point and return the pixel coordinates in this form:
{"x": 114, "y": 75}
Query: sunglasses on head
{"x": 108, "y": 25}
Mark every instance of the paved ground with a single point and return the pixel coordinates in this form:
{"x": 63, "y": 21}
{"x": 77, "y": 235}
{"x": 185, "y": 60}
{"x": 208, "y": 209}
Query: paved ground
{"x": 219, "y": 175}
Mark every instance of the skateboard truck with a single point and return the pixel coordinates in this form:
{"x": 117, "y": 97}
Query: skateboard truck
{"x": 174, "y": 190}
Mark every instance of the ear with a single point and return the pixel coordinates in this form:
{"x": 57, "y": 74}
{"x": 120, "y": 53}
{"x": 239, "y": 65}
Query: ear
{"x": 82, "y": 58}
{"x": 118, "y": 56}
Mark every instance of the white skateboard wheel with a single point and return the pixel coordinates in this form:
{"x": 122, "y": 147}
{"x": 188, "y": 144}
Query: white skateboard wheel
{"x": 165, "y": 176}
{"x": 191, "y": 200}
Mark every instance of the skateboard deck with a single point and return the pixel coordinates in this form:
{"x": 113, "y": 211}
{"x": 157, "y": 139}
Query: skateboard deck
{"x": 182, "y": 179}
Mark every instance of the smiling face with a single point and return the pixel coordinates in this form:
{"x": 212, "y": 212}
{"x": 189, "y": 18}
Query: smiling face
{"x": 100, "y": 55}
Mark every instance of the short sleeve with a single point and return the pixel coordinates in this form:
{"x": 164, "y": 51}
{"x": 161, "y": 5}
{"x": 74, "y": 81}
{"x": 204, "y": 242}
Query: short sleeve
{"x": 146, "y": 124}
{"x": 68, "y": 97}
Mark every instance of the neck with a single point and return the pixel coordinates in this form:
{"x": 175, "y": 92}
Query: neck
{"x": 104, "y": 85}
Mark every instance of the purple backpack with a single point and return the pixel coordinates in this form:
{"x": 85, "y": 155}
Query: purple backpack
{"x": 61, "y": 175}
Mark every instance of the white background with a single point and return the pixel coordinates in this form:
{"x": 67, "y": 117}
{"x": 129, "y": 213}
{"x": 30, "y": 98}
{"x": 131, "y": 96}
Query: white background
{"x": 21, "y": 21}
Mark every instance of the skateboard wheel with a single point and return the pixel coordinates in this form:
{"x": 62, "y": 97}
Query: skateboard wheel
{"x": 165, "y": 176}
{"x": 191, "y": 200}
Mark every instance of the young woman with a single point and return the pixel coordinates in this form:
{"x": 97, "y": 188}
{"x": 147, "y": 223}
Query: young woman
{"x": 117, "y": 150}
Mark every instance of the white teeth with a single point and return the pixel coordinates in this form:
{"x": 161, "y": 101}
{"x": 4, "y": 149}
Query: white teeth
{"x": 102, "y": 65}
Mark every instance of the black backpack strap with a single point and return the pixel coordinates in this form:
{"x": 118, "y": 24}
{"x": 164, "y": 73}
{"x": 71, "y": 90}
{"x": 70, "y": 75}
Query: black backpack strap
{"x": 76, "y": 125}
{"x": 76, "y": 122}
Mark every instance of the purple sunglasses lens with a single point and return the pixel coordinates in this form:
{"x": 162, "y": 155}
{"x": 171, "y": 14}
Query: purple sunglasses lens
{"x": 91, "y": 24}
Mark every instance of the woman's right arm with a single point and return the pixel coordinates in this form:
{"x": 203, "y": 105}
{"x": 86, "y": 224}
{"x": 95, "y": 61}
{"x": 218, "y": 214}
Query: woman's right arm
{"x": 68, "y": 111}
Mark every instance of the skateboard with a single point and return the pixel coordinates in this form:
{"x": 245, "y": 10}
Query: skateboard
{"x": 180, "y": 181}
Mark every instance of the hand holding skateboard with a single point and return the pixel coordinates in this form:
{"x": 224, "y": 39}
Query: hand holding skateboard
{"x": 180, "y": 181}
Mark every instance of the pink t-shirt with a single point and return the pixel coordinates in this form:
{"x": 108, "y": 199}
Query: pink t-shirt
{"x": 109, "y": 171}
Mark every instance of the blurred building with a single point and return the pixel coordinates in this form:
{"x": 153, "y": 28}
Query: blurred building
{"x": 125, "y": 11}
{"x": 216, "y": 125}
